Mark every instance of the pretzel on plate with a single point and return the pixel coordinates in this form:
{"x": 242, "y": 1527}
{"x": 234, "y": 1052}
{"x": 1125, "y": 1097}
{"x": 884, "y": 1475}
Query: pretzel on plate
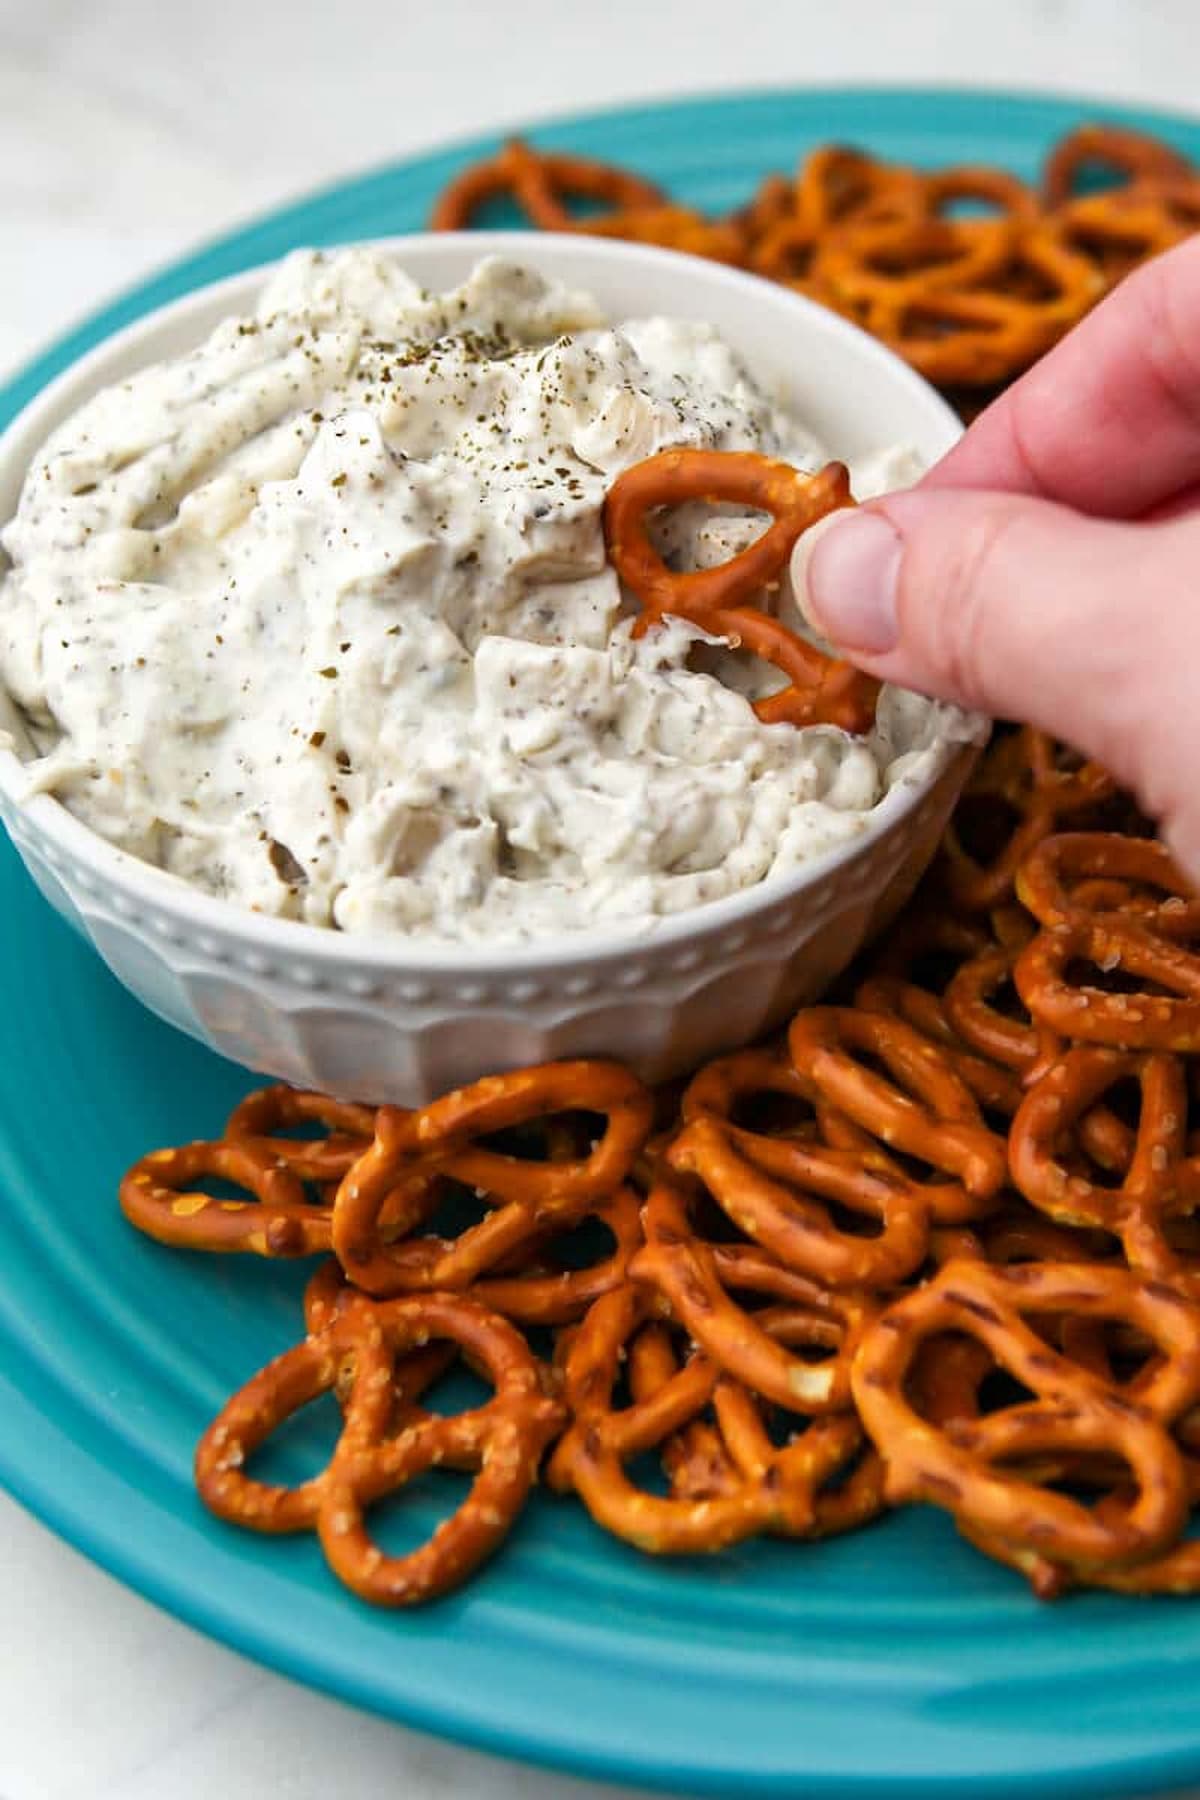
{"x": 541, "y": 182}
{"x": 1160, "y": 1177}
{"x": 1160, "y": 1012}
{"x": 264, "y": 1114}
{"x": 698, "y": 1280}
{"x": 444, "y": 1139}
{"x": 924, "y": 1110}
{"x": 778, "y": 1489}
{"x": 1076, "y": 874}
{"x": 966, "y": 1465}
{"x": 1116, "y": 149}
{"x": 1022, "y": 777}
{"x": 775, "y": 1189}
{"x": 501, "y": 1443}
{"x": 278, "y": 1219}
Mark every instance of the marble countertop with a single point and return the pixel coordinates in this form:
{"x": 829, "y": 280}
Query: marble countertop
{"x": 127, "y": 131}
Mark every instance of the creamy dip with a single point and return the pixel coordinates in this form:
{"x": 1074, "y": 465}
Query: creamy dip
{"x": 318, "y": 618}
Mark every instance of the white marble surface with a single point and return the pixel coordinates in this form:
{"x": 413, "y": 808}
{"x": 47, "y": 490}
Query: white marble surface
{"x": 129, "y": 128}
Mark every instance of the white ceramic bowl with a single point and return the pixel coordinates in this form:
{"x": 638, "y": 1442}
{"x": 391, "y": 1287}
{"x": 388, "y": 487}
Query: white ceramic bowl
{"x": 379, "y": 1018}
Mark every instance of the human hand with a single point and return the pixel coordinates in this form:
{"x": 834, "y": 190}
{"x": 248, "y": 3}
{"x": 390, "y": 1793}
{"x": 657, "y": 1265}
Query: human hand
{"x": 1048, "y": 568}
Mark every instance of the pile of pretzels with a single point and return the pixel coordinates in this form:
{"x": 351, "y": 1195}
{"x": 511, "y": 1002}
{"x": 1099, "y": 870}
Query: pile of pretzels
{"x": 968, "y": 273}
{"x": 939, "y": 1242}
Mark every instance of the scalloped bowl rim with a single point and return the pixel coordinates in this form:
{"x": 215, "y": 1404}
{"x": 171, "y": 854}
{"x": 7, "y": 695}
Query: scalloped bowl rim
{"x": 150, "y": 885}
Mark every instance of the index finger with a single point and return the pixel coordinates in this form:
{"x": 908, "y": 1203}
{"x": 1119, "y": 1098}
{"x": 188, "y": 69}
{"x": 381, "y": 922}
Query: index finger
{"x": 1109, "y": 421}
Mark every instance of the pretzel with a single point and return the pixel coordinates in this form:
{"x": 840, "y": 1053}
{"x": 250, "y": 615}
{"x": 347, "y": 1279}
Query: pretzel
{"x": 721, "y": 1086}
{"x": 705, "y": 1460}
{"x": 820, "y": 689}
{"x": 970, "y": 338}
{"x": 857, "y": 1496}
{"x": 994, "y": 189}
{"x": 1175, "y": 1570}
{"x": 694, "y": 1457}
{"x": 1012, "y": 1043}
{"x": 968, "y": 302}
{"x": 540, "y": 182}
{"x": 1116, "y": 148}
{"x": 501, "y": 1441}
{"x": 773, "y": 1188}
{"x": 877, "y": 269}
{"x": 670, "y": 228}
{"x": 1160, "y": 1180}
{"x": 261, "y": 1115}
{"x": 1074, "y": 1410}
{"x": 441, "y": 1138}
{"x": 993, "y": 1087}
{"x": 695, "y": 1279}
{"x": 591, "y": 1457}
{"x": 1142, "y": 1020}
{"x": 837, "y": 182}
{"x": 328, "y": 1296}
{"x": 1125, "y": 226}
{"x": 546, "y": 1296}
{"x": 279, "y": 1221}
{"x": 1022, "y": 773}
{"x": 1107, "y": 872}
{"x": 788, "y": 222}
{"x": 942, "y": 1126}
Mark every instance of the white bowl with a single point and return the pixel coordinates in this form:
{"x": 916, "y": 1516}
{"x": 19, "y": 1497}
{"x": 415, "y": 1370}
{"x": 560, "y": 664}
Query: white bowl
{"x": 382, "y": 1018}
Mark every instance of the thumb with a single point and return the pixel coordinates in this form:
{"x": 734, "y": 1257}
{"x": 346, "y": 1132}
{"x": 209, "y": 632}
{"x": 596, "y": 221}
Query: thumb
{"x": 1026, "y": 610}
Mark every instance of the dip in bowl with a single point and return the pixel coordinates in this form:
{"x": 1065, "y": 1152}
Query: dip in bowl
{"x": 328, "y": 726}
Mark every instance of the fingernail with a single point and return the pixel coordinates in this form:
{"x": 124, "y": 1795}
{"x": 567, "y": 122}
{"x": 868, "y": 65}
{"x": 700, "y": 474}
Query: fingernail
{"x": 852, "y": 581}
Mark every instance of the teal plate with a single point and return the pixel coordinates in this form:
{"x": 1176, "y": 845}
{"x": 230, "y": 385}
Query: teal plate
{"x": 896, "y": 1660}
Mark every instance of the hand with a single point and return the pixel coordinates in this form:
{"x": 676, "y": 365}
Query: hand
{"x": 1048, "y": 568}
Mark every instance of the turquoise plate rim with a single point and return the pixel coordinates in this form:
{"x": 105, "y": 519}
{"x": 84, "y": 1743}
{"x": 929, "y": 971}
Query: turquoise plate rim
{"x": 53, "y": 1442}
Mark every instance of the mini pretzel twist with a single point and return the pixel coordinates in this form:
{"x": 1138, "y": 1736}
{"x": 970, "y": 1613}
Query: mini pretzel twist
{"x": 541, "y": 182}
{"x": 1160, "y": 1179}
{"x": 262, "y": 1115}
{"x": 1123, "y": 227}
{"x": 501, "y": 1442}
{"x": 697, "y": 1281}
{"x": 1163, "y": 1015}
{"x": 777, "y": 1491}
{"x": 1075, "y": 1411}
{"x": 995, "y": 189}
{"x": 278, "y": 1221}
{"x": 878, "y": 269}
{"x": 925, "y": 1110}
{"x": 963, "y": 300}
{"x": 443, "y": 1139}
{"x": 990, "y": 1082}
{"x": 820, "y": 689}
{"x": 1074, "y": 875}
{"x": 1022, "y": 776}
{"x": 1115, "y": 148}
{"x": 539, "y": 1294}
{"x": 1014, "y": 1043}
{"x": 774, "y": 1190}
